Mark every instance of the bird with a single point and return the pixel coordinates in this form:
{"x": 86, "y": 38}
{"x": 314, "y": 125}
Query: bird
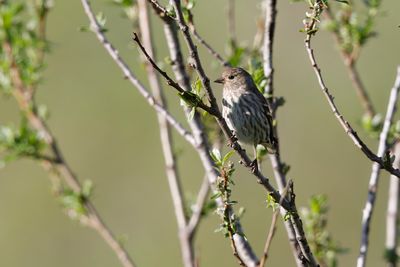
{"x": 246, "y": 111}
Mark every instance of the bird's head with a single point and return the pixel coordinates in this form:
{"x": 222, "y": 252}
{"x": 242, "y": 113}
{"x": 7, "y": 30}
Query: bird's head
{"x": 235, "y": 78}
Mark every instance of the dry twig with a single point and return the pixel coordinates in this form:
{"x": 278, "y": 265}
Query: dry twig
{"x": 373, "y": 182}
{"x": 91, "y": 218}
{"x": 345, "y": 124}
{"x": 174, "y": 181}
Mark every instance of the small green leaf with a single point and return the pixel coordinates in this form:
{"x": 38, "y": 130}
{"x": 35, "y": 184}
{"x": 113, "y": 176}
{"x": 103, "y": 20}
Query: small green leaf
{"x": 216, "y": 156}
{"x": 216, "y": 195}
{"x": 227, "y": 156}
{"x": 87, "y": 189}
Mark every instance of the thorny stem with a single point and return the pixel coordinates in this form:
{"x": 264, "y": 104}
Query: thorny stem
{"x": 311, "y": 28}
{"x": 27, "y": 105}
{"x": 166, "y": 142}
{"x": 373, "y": 182}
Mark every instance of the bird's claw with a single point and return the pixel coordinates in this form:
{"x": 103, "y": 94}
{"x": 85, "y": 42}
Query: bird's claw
{"x": 254, "y": 166}
{"x": 232, "y": 140}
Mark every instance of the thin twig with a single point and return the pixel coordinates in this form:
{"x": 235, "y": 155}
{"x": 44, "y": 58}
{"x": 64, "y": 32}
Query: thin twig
{"x": 208, "y": 47}
{"x": 345, "y": 124}
{"x": 275, "y": 159}
{"x": 373, "y": 182}
{"x": 198, "y": 207}
{"x": 392, "y": 213}
{"x": 260, "y": 29}
{"x": 260, "y": 178}
{"x": 214, "y": 106}
{"x": 170, "y": 82}
{"x": 131, "y": 77}
{"x": 202, "y": 145}
{"x": 232, "y": 22}
{"x": 166, "y": 142}
{"x": 270, "y": 19}
{"x": 350, "y": 63}
{"x": 93, "y": 218}
{"x": 272, "y": 229}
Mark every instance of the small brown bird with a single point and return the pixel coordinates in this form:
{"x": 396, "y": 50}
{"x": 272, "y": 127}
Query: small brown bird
{"x": 246, "y": 110}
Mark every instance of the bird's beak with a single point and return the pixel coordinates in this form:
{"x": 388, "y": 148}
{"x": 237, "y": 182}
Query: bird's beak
{"x": 220, "y": 80}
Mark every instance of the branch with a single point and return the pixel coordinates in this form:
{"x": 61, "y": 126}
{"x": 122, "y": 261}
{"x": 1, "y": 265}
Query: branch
{"x": 345, "y": 124}
{"x": 202, "y": 145}
{"x": 28, "y": 107}
{"x": 208, "y": 47}
{"x": 352, "y": 71}
{"x": 293, "y": 228}
{"x": 214, "y": 106}
{"x": 373, "y": 182}
{"x": 392, "y": 213}
{"x": 198, "y": 207}
{"x": 270, "y": 18}
{"x": 166, "y": 142}
{"x": 171, "y": 82}
{"x": 272, "y": 228}
{"x": 130, "y": 76}
{"x": 231, "y": 22}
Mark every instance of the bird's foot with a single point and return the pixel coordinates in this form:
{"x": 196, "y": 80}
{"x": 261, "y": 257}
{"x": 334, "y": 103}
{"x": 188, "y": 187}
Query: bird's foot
{"x": 232, "y": 140}
{"x": 254, "y": 166}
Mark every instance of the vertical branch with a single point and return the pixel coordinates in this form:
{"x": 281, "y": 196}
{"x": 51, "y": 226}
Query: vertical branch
{"x": 166, "y": 142}
{"x": 270, "y": 18}
{"x": 232, "y": 22}
{"x": 392, "y": 214}
{"x": 272, "y": 228}
{"x": 280, "y": 178}
{"x": 198, "y": 207}
{"x": 202, "y": 145}
{"x": 373, "y": 182}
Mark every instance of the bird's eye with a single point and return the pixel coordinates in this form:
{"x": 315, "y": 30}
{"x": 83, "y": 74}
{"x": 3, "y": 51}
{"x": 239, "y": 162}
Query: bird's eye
{"x": 231, "y": 77}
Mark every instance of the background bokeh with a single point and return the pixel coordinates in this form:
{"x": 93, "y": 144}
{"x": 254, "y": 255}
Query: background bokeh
{"x": 110, "y": 135}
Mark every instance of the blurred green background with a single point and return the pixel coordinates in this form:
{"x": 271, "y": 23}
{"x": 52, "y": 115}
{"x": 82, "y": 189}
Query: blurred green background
{"x": 110, "y": 135}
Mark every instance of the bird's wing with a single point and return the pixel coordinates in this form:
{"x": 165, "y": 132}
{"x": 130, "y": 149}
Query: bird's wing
{"x": 271, "y": 136}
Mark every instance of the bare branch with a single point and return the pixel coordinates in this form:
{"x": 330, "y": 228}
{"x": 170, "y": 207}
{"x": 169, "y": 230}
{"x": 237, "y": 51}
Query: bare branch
{"x": 272, "y": 229}
{"x": 270, "y": 18}
{"x": 93, "y": 218}
{"x": 130, "y": 76}
{"x": 293, "y": 228}
{"x": 205, "y": 44}
{"x": 350, "y": 63}
{"x": 166, "y": 142}
{"x": 214, "y": 106}
{"x": 198, "y": 207}
{"x": 170, "y": 82}
{"x": 345, "y": 124}
{"x": 373, "y": 182}
{"x": 243, "y": 247}
{"x": 231, "y": 22}
{"x": 392, "y": 214}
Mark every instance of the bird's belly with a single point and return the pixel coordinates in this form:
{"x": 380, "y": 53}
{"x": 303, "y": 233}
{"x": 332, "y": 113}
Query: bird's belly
{"x": 243, "y": 124}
